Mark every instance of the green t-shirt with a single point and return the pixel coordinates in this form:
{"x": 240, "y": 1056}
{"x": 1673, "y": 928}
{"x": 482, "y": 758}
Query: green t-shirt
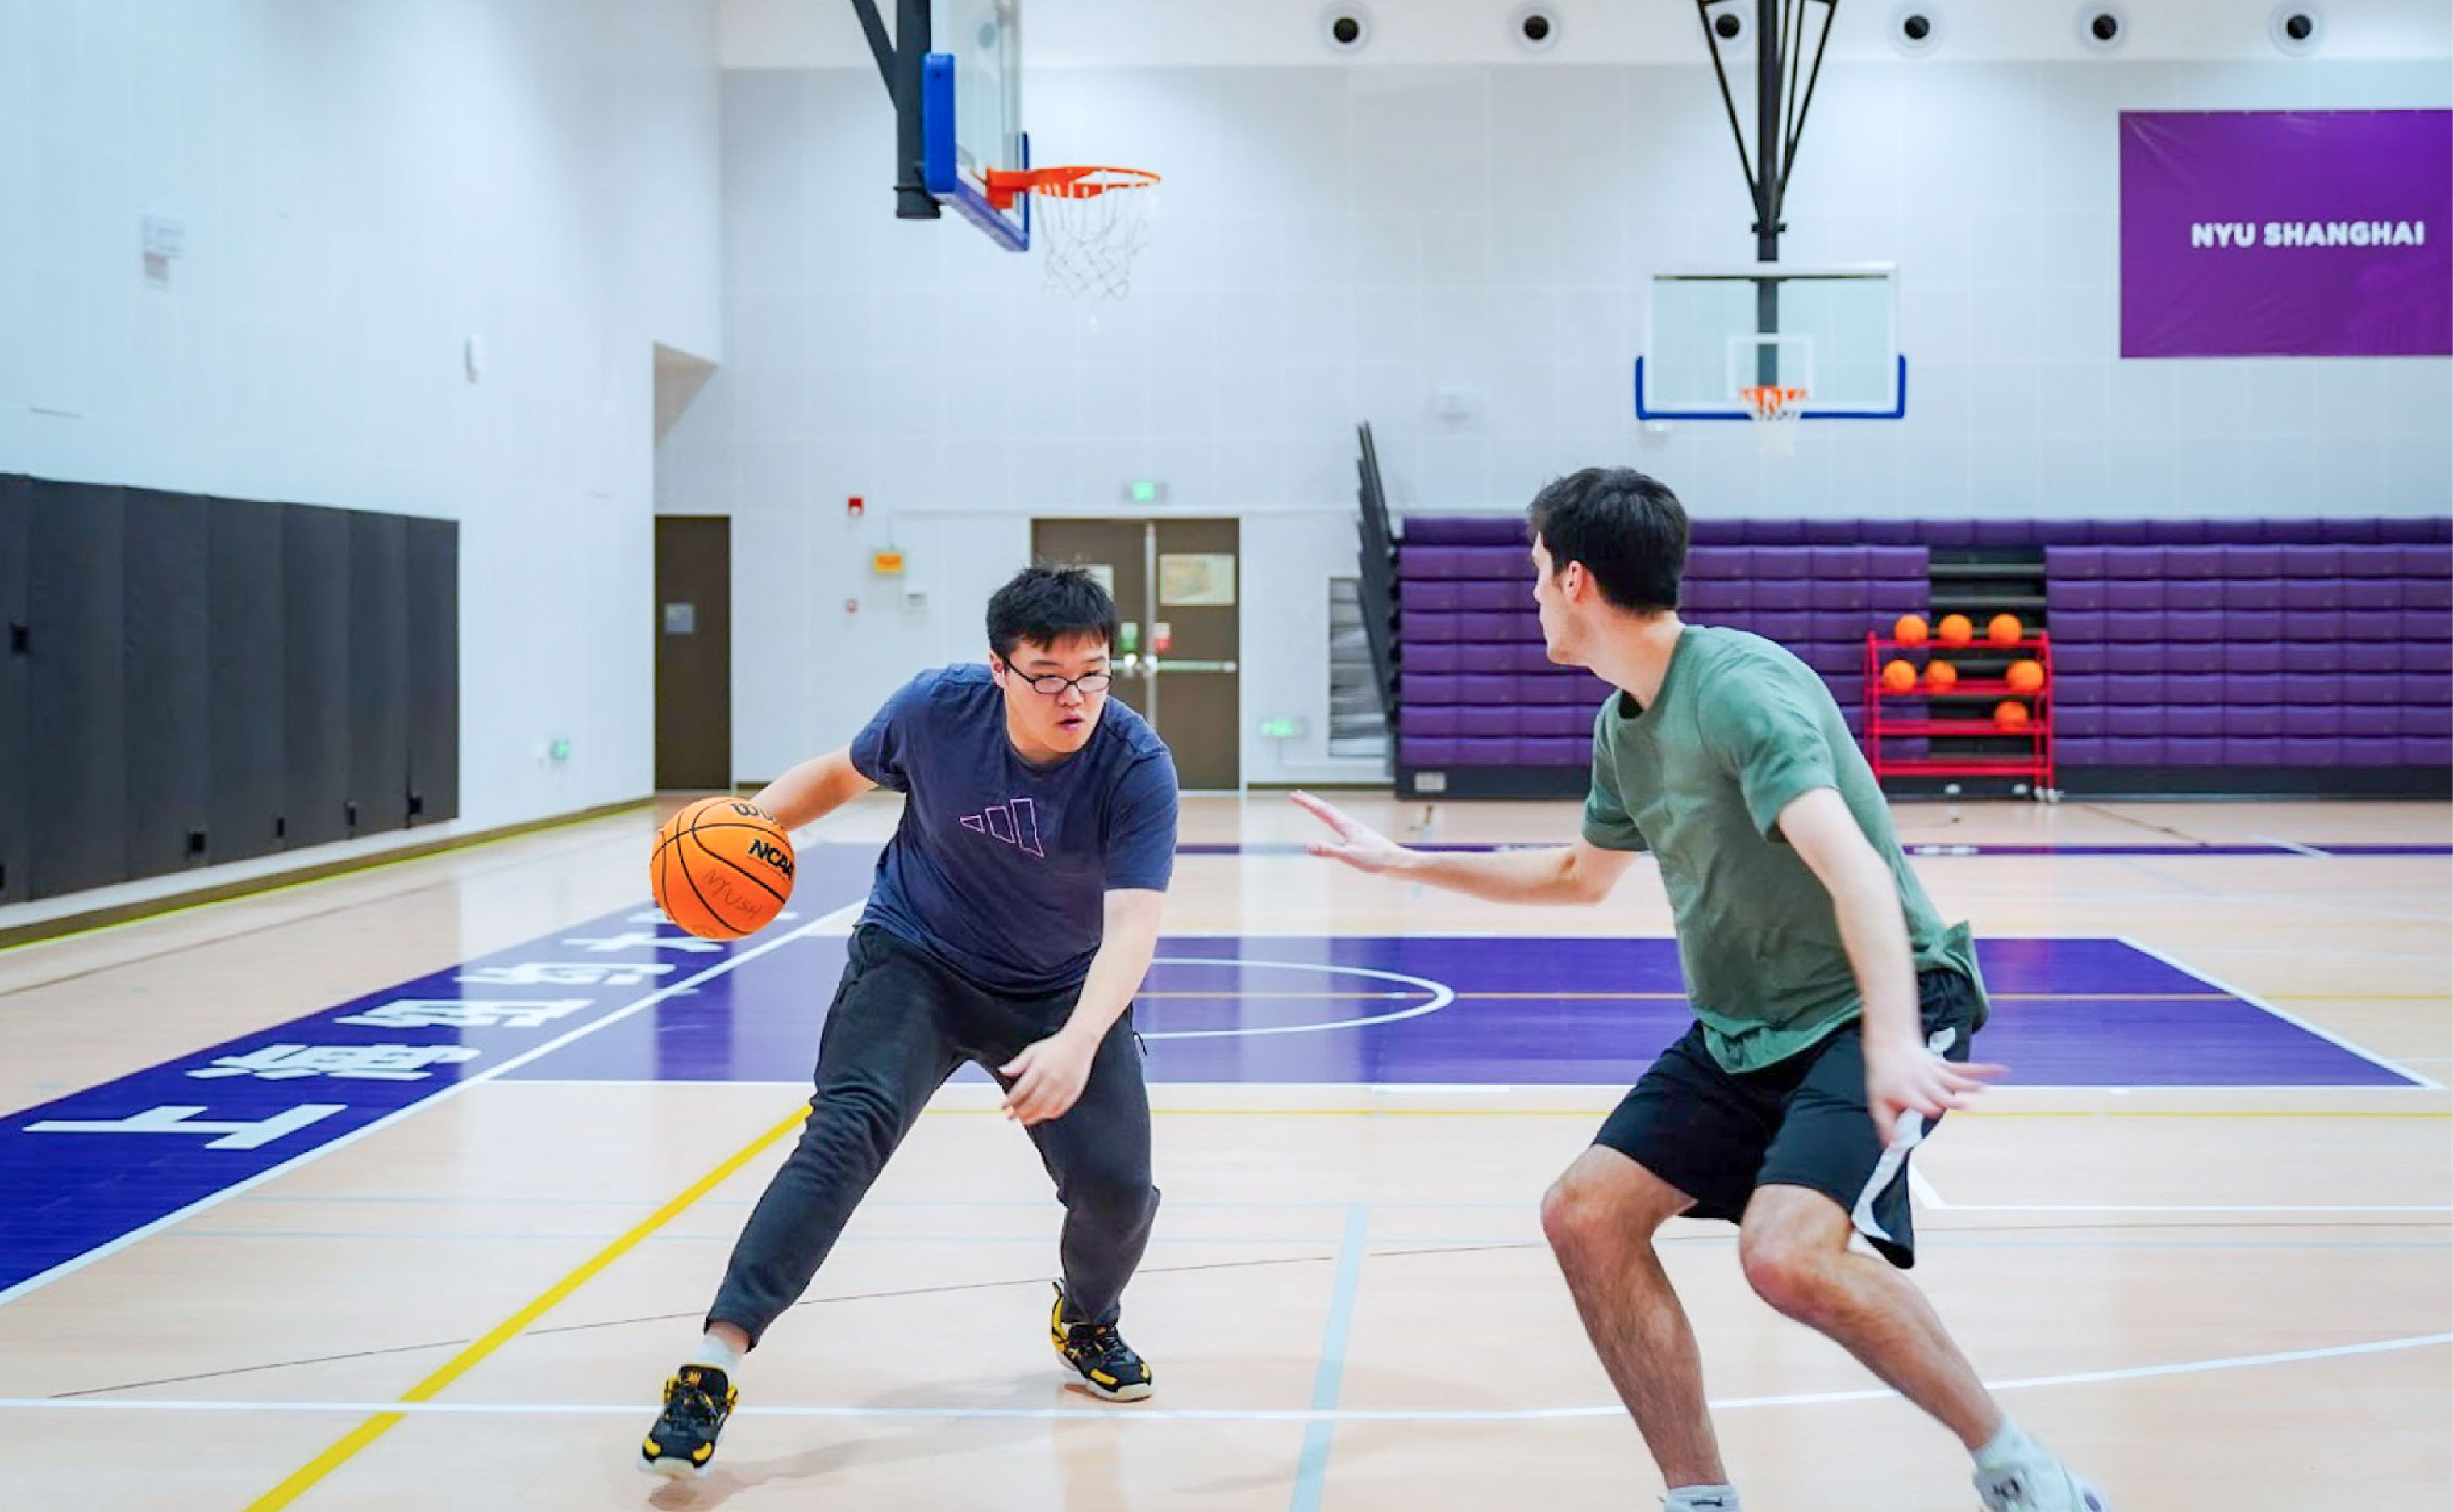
{"x": 1741, "y": 729}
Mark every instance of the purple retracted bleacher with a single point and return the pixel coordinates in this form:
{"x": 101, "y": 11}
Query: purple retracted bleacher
{"x": 1463, "y": 529}
{"x": 2253, "y": 719}
{"x": 2178, "y": 640}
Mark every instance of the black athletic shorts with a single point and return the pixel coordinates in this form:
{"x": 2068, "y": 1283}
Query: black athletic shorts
{"x": 1803, "y": 1121}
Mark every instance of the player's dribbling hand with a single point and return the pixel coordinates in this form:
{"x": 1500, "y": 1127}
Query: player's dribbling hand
{"x": 1358, "y": 844}
{"x": 1048, "y": 1078}
{"x": 1909, "y": 1078}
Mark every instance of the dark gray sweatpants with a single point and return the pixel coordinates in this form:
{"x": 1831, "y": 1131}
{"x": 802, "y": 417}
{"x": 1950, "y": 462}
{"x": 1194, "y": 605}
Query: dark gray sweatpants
{"x": 902, "y": 1023}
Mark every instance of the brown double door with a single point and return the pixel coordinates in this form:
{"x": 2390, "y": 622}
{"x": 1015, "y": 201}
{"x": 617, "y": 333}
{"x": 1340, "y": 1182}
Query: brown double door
{"x": 694, "y": 653}
{"x": 1177, "y": 583}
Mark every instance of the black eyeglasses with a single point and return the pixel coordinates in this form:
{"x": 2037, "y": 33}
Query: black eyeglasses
{"x": 1054, "y": 685}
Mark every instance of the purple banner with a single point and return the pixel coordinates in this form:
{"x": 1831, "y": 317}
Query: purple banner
{"x": 2300, "y": 234}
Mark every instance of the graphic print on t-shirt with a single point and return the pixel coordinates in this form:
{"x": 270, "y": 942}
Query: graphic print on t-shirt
{"x": 1016, "y": 822}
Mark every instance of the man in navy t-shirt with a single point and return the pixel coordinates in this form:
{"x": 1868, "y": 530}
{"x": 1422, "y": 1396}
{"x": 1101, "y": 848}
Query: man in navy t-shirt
{"x": 1014, "y": 914}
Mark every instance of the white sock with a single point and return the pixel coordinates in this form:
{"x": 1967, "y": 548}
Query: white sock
{"x": 714, "y": 1351}
{"x": 2011, "y": 1445}
{"x": 1701, "y": 1499}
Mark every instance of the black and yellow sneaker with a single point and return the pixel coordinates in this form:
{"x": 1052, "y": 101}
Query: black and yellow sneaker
{"x": 697, "y": 1400}
{"x": 1107, "y": 1363}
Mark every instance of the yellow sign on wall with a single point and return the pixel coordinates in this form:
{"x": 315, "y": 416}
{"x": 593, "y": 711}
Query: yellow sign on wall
{"x": 885, "y": 563}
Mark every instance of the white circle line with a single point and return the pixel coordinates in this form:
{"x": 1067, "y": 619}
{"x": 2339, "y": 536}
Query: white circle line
{"x": 1208, "y": 1414}
{"x": 1441, "y": 996}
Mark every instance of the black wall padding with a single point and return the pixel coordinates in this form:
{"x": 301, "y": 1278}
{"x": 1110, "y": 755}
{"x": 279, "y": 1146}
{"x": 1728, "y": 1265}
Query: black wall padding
{"x": 77, "y": 745}
{"x": 166, "y": 641}
{"x": 315, "y": 694}
{"x": 379, "y": 671}
{"x": 433, "y": 548}
{"x": 189, "y": 681}
{"x": 15, "y": 664}
{"x": 246, "y": 675}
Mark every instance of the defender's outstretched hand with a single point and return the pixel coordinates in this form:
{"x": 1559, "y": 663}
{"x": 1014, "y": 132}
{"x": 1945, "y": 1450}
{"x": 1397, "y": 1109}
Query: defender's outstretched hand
{"x": 1358, "y": 844}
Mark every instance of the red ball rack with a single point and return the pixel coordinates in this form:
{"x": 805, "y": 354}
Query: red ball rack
{"x": 1890, "y": 723}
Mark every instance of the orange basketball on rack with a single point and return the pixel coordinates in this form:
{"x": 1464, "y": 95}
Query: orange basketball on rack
{"x": 2023, "y": 676}
{"x": 721, "y": 868}
{"x": 2004, "y": 630}
{"x": 1898, "y": 676}
{"x": 1910, "y": 630}
{"x": 2010, "y": 716}
{"x": 1941, "y": 676}
{"x": 1955, "y": 629}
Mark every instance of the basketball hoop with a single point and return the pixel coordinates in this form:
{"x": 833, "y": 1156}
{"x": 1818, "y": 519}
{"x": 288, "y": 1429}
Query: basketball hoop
{"x": 1776, "y": 410}
{"x": 1092, "y": 221}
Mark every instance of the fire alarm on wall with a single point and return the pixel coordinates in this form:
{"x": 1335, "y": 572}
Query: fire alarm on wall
{"x": 855, "y": 508}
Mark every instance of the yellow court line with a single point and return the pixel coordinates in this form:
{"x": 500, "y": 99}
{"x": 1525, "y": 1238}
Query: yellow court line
{"x": 502, "y": 1333}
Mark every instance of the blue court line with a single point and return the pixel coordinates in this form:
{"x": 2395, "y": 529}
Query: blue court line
{"x": 1311, "y": 1471}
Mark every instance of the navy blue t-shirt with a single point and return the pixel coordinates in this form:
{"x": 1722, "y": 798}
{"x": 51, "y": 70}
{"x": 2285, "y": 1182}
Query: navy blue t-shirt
{"x": 1001, "y": 867}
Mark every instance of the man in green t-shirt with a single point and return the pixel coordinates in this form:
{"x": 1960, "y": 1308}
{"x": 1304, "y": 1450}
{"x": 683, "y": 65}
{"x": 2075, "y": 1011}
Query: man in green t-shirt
{"x": 1833, "y": 1006}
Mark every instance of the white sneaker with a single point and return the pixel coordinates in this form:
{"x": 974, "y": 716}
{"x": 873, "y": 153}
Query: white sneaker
{"x": 2042, "y": 1486}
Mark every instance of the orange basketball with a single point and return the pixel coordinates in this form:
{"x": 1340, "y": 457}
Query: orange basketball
{"x": 1910, "y": 630}
{"x": 1898, "y": 676}
{"x": 1955, "y": 629}
{"x": 2004, "y": 630}
{"x": 2024, "y": 677}
{"x": 721, "y": 868}
{"x": 1941, "y": 676}
{"x": 2009, "y": 715}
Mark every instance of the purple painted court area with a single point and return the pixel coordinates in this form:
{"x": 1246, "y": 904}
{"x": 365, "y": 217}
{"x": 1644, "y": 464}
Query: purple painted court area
{"x": 1504, "y": 1011}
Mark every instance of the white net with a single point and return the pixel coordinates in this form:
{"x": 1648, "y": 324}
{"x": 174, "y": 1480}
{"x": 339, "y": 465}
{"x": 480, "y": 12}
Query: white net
{"x": 1092, "y": 226}
{"x": 1776, "y": 411}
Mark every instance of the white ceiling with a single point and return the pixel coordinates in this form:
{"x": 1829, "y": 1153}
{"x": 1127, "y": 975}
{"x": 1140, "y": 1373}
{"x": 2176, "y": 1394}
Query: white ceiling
{"x": 1281, "y": 33}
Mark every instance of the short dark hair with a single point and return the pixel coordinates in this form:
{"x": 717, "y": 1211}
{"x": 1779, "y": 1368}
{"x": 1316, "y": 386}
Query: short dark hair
{"x": 1045, "y": 604}
{"x": 1627, "y": 529}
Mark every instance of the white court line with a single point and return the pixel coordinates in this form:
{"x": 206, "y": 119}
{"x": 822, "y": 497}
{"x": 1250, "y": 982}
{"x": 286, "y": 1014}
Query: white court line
{"x": 69, "y": 1266}
{"x": 1441, "y": 996}
{"x": 840, "y": 921}
{"x": 2293, "y": 847}
{"x": 2260, "y": 1004}
{"x": 1140, "y": 1414}
{"x": 1922, "y": 1190}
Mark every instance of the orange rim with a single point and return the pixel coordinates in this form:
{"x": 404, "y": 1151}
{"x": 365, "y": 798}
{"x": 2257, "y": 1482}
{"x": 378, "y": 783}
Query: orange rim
{"x": 1064, "y": 183}
{"x": 1771, "y": 401}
